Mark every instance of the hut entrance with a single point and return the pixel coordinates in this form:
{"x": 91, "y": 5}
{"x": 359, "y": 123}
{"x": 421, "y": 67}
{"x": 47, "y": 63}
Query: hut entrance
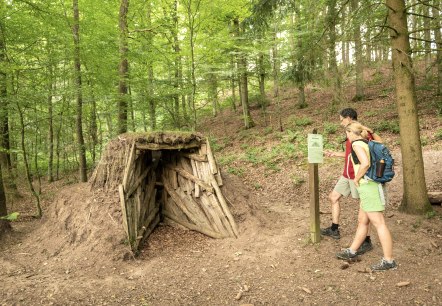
{"x": 163, "y": 175}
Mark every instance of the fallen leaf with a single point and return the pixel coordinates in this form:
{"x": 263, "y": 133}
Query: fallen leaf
{"x": 306, "y": 290}
{"x": 403, "y": 284}
{"x": 238, "y": 296}
{"x": 345, "y": 266}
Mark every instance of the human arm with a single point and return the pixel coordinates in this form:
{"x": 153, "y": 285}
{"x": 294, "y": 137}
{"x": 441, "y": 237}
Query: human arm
{"x": 376, "y": 137}
{"x": 364, "y": 163}
{"x": 334, "y": 154}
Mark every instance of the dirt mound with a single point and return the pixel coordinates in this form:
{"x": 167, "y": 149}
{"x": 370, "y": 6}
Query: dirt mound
{"x": 82, "y": 221}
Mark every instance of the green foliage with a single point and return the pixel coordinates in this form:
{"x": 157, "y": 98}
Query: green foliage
{"x": 11, "y": 217}
{"x": 430, "y": 214}
{"x": 424, "y": 141}
{"x": 438, "y": 134}
{"x": 239, "y": 171}
{"x": 226, "y": 160}
{"x": 303, "y": 121}
{"x": 390, "y": 126}
{"x": 330, "y": 128}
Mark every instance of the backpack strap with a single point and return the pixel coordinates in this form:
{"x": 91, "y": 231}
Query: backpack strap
{"x": 353, "y": 153}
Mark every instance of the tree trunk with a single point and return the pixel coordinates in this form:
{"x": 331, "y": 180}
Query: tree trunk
{"x": 123, "y": 68}
{"x": 5, "y": 155}
{"x": 213, "y": 91}
{"x": 299, "y": 60}
{"x": 333, "y": 65}
{"x": 50, "y": 119}
{"x": 427, "y": 43}
{"x": 438, "y": 39}
{"x": 415, "y": 198}
{"x": 79, "y": 118}
{"x": 26, "y": 163}
{"x": 150, "y": 74}
{"x": 232, "y": 83}
{"x": 177, "y": 65}
{"x": 359, "y": 63}
{"x": 276, "y": 68}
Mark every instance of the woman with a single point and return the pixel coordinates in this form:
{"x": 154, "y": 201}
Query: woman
{"x": 372, "y": 202}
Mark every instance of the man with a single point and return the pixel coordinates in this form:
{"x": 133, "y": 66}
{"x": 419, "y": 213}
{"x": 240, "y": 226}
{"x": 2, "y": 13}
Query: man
{"x": 345, "y": 185}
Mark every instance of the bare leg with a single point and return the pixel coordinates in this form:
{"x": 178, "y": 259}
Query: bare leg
{"x": 378, "y": 221}
{"x": 334, "y": 197}
{"x": 361, "y": 231}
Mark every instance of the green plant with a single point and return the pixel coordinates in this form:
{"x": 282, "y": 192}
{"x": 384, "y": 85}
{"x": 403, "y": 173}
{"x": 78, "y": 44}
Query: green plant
{"x": 236, "y": 171}
{"x": 438, "y": 134}
{"x": 226, "y": 160}
{"x": 297, "y": 180}
{"x": 215, "y": 145}
{"x": 391, "y": 126}
{"x": 303, "y": 121}
{"x": 430, "y": 214}
{"x": 330, "y": 128}
{"x": 11, "y": 217}
{"x": 424, "y": 141}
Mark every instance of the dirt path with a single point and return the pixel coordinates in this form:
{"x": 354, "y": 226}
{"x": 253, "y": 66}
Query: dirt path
{"x": 271, "y": 263}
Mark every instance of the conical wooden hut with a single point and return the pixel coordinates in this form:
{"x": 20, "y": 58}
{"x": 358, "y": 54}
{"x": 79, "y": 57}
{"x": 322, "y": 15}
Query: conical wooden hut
{"x": 164, "y": 175}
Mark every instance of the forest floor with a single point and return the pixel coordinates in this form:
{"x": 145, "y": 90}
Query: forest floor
{"x": 74, "y": 255}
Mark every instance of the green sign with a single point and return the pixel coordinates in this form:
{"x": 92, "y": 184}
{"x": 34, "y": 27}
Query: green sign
{"x": 315, "y": 149}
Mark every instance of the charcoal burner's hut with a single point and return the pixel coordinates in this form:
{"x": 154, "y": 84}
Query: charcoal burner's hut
{"x": 165, "y": 176}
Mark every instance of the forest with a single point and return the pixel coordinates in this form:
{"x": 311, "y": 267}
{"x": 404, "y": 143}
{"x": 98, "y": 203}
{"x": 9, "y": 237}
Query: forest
{"x": 254, "y": 77}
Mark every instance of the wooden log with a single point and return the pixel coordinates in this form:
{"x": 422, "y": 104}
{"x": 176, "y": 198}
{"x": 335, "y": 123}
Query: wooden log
{"x": 129, "y": 167}
{"x": 123, "y": 208}
{"x": 149, "y": 229}
{"x": 164, "y": 146}
{"x": 146, "y": 223}
{"x": 138, "y": 181}
{"x": 194, "y": 156}
{"x": 213, "y": 215}
{"x": 435, "y": 197}
{"x": 224, "y": 206}
{"x": 195, "y": 173}
{"x": 193, "y": 227}
{"x": 172, "y": 174}
{"x": 211, "y": 158}
{"x": 192, "y": 178}
{"x": 179, "y": 202}
{"x": 194, "y": 208}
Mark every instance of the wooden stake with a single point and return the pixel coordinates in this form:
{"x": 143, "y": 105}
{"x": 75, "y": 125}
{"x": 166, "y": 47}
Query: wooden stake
{"x": 212, "y": 163}
{"x": 192, "y": 178}
{"x": 315, "y": 234}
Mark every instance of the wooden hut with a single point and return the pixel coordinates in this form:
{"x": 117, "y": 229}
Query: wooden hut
{"x": 170, "y": 176}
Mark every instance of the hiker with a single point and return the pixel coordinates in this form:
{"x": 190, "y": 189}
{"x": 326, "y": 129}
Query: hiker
{"x": 345, "y": 185}
{"x": 372, "y": 202}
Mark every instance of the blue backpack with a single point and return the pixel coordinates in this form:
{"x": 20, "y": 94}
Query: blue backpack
{"x": 379, "y": 154}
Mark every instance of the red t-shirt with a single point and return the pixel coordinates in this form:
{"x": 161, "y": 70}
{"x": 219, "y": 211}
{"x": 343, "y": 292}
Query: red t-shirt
{"x": 349, "y": 172}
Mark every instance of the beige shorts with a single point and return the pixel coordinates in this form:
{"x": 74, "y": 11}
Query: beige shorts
{"x": 346, "y": 186}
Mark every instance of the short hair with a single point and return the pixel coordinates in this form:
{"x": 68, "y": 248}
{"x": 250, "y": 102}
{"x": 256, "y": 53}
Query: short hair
{"x": 349, "y": 112}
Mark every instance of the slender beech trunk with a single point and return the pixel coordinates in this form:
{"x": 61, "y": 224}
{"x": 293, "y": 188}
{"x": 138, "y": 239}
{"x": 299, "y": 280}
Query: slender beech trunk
{"x": 427, "y": 42}
{"x": 123, "y": 68}
{"x": 299, "y": 60}
{"x": 150, "y": 75}
{"x": 244, "y": 92}
{"x": 415, "y": 199}
{"x": 213, "y": 91}
{"x": 438, "y": 39}
{"x": 232, "y": 82}
{"x": 177, "y": 64}
{"x": 26, "y": 163}
{"x": 333, "y": 65}
{"x": 359, "y": 63}
{"x": 79, "y": 95}
{"x": 191, "y": 28}
{"x": 276, "y": 68}
{"x": 4, "y": 225}
{"x": 50, "y": 118}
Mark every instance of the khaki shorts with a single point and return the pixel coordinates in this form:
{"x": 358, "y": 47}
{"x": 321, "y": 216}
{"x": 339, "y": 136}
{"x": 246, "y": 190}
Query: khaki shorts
{"x": 372, "y": 196}
{"x": 346, "y": 186}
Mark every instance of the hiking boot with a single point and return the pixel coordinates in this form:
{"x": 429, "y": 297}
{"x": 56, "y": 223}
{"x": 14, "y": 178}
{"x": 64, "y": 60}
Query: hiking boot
{"x": 364, "y": 248}
{"x": 331, "y": 233}
{"x": 346, "y": 255}
{"x": 384, "y": 265}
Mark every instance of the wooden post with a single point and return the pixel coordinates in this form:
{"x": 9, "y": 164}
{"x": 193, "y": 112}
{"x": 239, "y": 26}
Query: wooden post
{"x": 315, "y": 234}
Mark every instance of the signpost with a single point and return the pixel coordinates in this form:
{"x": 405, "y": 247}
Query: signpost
{"x": 315, "y": 156}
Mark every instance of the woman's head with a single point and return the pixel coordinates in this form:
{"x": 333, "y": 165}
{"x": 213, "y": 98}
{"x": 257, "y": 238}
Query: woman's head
{"x": 355, "y": 130}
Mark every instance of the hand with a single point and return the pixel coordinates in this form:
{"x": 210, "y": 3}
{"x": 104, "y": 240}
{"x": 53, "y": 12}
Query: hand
{"x": 356, "y": 182}
{"x": 329, "y": 153}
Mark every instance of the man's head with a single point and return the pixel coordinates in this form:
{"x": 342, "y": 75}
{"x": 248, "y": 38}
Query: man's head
{"x": 347, "y": 116}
